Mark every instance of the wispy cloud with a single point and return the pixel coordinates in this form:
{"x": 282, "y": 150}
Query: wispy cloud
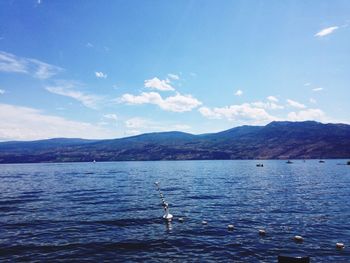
{"x": 326, "y": 31}
{"x": 2, "y": 91}
{"x": 307, "y": 84}
{"x": 317, "y": 89}
{"x": 309, "y": 114}
{"x": 243, "y": 112}
{"x": 176, "y": 103}
{"x": 295, "y": 104}
{"x": 100, "y": 75}
{"x": 269, "y": 105}
{"x": 66, "y": 88}
{"x": 173, "y": 76}
{"x": 111, "y": 116}
{"x": 313, "y": 101}
{"x": 156, "y": 83}
{"x": 24, "y": 123}
{"x": 239, "y": 93}
{"x": 36, "y": 68}
{"x": 89, "y": 45}
{"x": 272, "y": 98}
{"x": 137, "y": 123}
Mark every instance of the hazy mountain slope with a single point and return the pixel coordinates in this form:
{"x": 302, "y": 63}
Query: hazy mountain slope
{"x": 277, "y": 140}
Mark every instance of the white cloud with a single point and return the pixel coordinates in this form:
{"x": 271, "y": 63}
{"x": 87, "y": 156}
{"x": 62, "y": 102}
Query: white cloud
{"x": 267, "y": 105}
{"x": 158, "y": 84}
{"x": 65, "y": 88}
{"x": 312, "y": 100}
{"x": 111, "y": 116}
{"x": 309, "y": 114}
{"x": 33, "y": 67}
{"x": 23, "y": 123}
{"x": 295, "y": 104}
{"x": 100, "y": 75}
{"x": 2, "y": 91}
{"x": 307, "y": 84}
{"x": 272, "y": 98}
{"x": 43, "y": 70}
{"x": 243, "y": 112}
{"x": 326, "y": 31}
{"x": 239, "y": 92}
{"x": 89, "y": 45}
{"x": 136, "y": 123}
{"x": 317, "y": 89}
{"x": 173, "y": 76}
{"x": 177, "y": 103}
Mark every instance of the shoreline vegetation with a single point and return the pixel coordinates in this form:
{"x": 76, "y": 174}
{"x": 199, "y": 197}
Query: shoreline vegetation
{"x": 276, "y": 140}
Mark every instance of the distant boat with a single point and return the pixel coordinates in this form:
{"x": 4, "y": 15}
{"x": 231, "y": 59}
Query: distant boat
{"x": 259, "y": 165}
{"x": 289, "y": 162}
{"x": 94, "y": 161}
{"x": 348, "y": 163}
{"x": 321, "y": 161}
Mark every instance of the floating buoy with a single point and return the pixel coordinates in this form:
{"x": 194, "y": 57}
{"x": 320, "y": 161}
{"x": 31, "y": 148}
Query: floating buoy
{"x": 181, "y": 219}
{"x": 156, "y": 183}
{"x": 230, "y": 227}
{"x": 262, "y": 232}
{"x": 339, "y": 245}
{"x": 167, "y": 215}
{"x": 204, "y": 222}
{"x": 293, "y": 258}
{"x": 298, "y": 239}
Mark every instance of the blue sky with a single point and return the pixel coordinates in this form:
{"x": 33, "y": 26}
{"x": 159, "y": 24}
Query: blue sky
{"x": 109, "y": 69}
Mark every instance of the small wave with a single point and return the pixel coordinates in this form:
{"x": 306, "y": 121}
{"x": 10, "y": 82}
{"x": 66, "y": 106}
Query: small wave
{"x": 205, "y": 197}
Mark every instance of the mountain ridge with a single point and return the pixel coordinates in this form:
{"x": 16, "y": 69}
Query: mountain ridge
{"x": 276, "y": 140}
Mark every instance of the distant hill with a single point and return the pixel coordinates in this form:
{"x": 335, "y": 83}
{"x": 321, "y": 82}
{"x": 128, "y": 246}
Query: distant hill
{"x": 277, "y": 140}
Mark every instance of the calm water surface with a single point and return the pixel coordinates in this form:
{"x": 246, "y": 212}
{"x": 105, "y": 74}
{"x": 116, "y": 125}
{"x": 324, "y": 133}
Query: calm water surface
{"x": 112, "y": 211}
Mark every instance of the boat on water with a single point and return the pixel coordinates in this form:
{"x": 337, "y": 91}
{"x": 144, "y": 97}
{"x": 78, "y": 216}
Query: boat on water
{"x": 348, "y": 163}
{"x": 321, "y": 161}
{"x": 259, "y": 165}
{"x": 289, "y": 162}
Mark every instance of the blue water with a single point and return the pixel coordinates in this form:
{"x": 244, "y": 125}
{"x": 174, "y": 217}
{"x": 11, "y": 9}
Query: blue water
{"x": 95, "y": 212}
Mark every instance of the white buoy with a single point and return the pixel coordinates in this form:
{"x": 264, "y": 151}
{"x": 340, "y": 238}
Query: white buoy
{"x": 298, "y": 239}
{"x": 339, "y": 245}
{"x": 230, "y": 227}
{"x": 262, "y": 232}
{"x": 181, "y": 219}
{"x": 167, "y": 216}
{"x": 204, "y": 222}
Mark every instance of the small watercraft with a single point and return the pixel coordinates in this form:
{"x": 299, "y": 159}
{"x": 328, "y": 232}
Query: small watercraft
{"x": 289, "y": 162}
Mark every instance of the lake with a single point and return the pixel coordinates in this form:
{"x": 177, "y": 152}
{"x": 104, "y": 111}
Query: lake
{"x": 112, "y": 211}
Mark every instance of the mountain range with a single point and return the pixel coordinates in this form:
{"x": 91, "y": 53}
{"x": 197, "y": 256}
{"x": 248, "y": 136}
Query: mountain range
{"x": 276, "y": 140}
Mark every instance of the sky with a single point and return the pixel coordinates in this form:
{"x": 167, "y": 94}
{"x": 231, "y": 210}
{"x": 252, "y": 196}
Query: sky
{"x": 111, "y": 69}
